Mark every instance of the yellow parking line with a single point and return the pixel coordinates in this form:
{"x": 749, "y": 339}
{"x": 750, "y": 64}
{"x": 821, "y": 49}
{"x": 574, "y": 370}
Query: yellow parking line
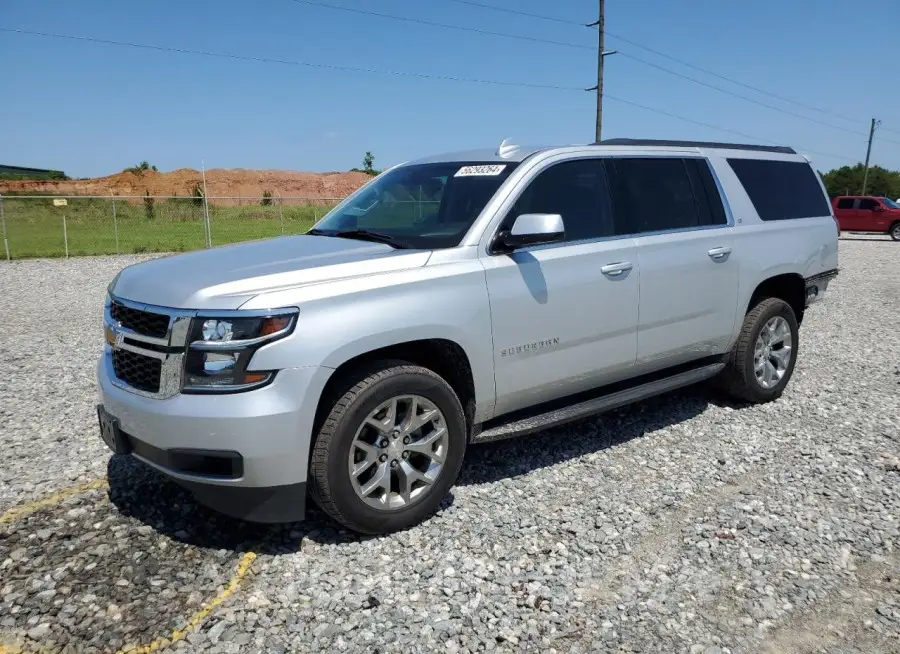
{"x": 197, "y": 619}
{"x": 23, "y": 510}
{"x": 18, "y": 512}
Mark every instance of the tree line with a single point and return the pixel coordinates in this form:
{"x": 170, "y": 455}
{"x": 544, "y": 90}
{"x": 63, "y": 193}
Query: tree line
{"x": 848, "y": 180}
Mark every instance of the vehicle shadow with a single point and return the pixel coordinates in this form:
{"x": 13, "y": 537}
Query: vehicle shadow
{"x": 142, "y": 493}
{"x": 489, "y": 462}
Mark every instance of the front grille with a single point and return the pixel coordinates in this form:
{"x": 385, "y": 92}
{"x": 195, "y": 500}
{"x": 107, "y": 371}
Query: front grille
{"x": 136, "y": 370}
{"x": 142, "y": 322}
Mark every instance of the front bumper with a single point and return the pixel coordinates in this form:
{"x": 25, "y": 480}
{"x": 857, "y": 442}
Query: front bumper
{"x": 264, "y": 433}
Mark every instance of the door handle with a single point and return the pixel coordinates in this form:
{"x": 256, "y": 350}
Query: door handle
{"x": 719, "y": 253}
{"x": 615, "y": 269}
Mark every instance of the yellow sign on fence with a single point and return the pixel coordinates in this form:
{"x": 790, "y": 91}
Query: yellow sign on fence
{"x": 60, "y": 202}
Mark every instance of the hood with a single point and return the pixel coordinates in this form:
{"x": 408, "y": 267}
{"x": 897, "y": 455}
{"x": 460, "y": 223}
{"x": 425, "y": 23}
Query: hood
{"x": 226, "y": 277}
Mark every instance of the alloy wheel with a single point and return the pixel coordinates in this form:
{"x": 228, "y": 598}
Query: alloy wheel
{"x": 772, "y": 352}
{"x": 398, "y": 452}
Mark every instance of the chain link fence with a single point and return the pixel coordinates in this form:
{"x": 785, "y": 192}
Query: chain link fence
{"x": 64, "y": 226}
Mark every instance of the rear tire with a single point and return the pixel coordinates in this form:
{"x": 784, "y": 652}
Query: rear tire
{"x": 895, "y": 231}
{"x": 389, "y": 449}
{"x": 762, "y": 360}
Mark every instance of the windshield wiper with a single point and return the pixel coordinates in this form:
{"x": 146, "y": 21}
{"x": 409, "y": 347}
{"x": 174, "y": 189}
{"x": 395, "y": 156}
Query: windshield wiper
{"x": 360, "y": 235}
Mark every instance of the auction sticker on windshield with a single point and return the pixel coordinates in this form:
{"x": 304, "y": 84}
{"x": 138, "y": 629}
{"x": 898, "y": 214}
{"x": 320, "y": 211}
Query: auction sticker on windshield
{"x": 488, "y": 170}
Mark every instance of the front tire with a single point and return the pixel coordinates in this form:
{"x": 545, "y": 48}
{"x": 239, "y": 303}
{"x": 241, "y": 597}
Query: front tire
{"x": 389, "y": 449}
{"x": 763, "y": 358}
{"x": 895, "y": 231}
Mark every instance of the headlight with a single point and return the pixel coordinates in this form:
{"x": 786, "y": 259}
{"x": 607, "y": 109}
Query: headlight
{"x": 221, "y": 348}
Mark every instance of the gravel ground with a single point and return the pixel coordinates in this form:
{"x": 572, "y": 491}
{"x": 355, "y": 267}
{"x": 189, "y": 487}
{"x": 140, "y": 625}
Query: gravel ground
{"x": 683, "y": 524}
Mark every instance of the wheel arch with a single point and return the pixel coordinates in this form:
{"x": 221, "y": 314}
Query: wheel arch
{"x": 790, "y": 287}
{"x": 444, "y": 357}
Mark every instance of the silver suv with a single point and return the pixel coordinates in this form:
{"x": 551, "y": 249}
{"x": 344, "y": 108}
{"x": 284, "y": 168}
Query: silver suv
{"x": 457, "y": 299}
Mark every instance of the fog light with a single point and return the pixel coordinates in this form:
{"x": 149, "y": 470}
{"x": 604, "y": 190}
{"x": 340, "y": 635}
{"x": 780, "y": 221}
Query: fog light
{"x": 220, "y": 370}
{"x": 217, "y": 363}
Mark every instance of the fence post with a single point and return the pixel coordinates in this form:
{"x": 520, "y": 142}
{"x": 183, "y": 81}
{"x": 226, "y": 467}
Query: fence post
{"x": 208, "y": 223}
{"x": 65, "y": 236}
{"x": 206, "y": 206}
{"x": 115, "y": 223}
{"x": 281, "y": 213}
{"x": 3, "y": 223}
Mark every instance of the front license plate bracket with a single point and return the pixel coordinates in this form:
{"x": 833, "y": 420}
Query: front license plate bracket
{"x": 110, "y": 433}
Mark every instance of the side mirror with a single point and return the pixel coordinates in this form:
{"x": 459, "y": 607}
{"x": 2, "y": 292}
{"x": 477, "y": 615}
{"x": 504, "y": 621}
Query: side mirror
{"x": 877, "y": 208}
{"x": 532, "y": 229}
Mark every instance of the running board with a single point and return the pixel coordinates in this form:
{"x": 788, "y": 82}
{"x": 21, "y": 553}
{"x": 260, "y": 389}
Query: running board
{"x": 596, "y": 405}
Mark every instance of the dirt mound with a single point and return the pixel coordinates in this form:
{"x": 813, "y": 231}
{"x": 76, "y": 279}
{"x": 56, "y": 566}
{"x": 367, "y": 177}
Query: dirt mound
{"x": 220, "y": 182}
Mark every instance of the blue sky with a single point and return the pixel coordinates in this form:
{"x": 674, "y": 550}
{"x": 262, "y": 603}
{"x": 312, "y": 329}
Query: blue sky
{"x": 92, "y": 109}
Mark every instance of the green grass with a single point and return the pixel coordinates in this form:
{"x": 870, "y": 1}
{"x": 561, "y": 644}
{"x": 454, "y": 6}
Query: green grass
{"x": 34, "y": 227}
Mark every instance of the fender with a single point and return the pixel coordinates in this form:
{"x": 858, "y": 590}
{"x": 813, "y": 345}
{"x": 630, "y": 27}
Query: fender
{"x": 348, "y": 318}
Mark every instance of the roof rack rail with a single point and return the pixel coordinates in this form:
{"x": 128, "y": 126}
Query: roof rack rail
{"x": 783, "y": 149}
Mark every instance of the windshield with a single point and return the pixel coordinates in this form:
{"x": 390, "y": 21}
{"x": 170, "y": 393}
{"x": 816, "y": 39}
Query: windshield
{"x": 890, "y": 203}
{"x": 425, "y": 206}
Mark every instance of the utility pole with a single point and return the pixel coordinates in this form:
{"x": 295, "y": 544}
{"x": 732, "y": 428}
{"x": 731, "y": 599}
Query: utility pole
{"x": 600, "y": 24}
{"x": 875, "y": 123}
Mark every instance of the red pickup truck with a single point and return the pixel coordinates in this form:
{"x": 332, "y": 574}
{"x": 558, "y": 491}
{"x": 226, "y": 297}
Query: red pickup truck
{"x": 867, "y": 213}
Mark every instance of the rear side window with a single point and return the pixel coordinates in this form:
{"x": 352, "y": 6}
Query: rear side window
{"x": 845, "y": 203}
{"x": 654, "y": 194}
{"x": 706, "y": 193}
{"x": 781, "y": 190}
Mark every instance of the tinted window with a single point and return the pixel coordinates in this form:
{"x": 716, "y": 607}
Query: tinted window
{"x": 845, "y": 203}
{"x": 577, "y": 191}
{"x": 867, "y": 204}
{"x": 706, "y": 193}
{"x": 655, "y": 194}
{"x": 421, "y": 205}
{"x": 781, "y": 190}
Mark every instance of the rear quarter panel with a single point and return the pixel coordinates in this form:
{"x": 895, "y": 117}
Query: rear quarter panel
{"x": 805, "y": 246}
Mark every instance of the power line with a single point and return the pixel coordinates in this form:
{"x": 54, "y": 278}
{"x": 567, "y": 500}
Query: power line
{"x": 449, "y": 26}
{"x": 507, "y": 10}
{"x": 749, "y": 99}
{"x": 731, "y": 79}
{"x": 353, "y": 69}
{"x": 462, "y": 28}
{"x": 659, "y": 53}
{"x": 722, "y": 129}
{"x": 224, "y": 55}
{"x": 738, "y": 95}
